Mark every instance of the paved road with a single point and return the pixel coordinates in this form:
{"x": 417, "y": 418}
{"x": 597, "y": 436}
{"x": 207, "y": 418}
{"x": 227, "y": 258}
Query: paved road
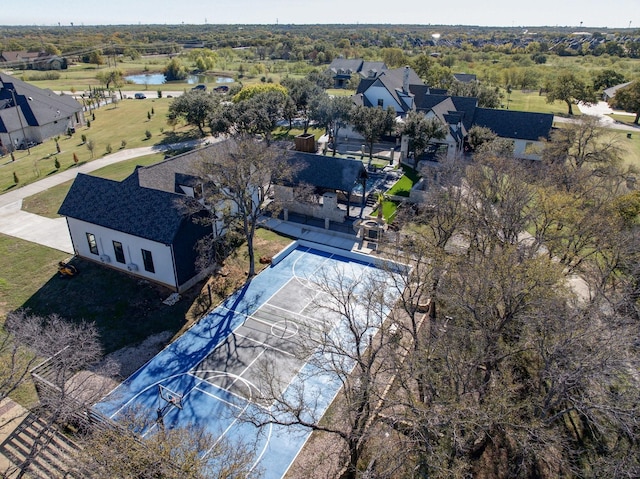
{"x": 53, "y": 232}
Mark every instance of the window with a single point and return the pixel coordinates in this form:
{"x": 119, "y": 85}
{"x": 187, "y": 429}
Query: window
{"x": 380, "y": 102}
{"x": 93, "y": 246}
{"x": 117, "y": 249}
{"x": 147, "y": 258}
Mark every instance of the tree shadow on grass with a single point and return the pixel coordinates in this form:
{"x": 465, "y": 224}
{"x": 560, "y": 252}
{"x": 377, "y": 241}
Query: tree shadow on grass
{"x": 170, "y": 137}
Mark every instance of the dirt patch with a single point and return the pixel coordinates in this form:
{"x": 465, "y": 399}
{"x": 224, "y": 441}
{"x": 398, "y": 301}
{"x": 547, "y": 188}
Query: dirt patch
{"x": 125, "y": 361}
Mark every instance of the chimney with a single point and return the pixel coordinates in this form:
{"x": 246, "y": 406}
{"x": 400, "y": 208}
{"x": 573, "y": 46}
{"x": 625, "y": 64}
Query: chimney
{"x": 405, "y": 80}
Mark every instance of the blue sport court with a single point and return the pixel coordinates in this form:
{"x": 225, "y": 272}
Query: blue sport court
{"x": 215, "y": 367}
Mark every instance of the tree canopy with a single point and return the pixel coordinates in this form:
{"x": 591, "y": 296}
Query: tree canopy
{"x": 628, "y": 99}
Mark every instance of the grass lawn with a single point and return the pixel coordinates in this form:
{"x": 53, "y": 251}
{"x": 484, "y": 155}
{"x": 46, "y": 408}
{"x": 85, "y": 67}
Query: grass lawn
{"x": 127, "y": 122}
{"x": 632, "y": 148}
{"x": 125, "y": 309}
{"x": 627, "y": 119}
{"x": 534, "y": 102}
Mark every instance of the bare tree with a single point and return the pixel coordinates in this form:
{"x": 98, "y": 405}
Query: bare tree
{"x": 237, "y": 177}
{"x": 64, "y": 392}
{"x": 186, "y": 452}
{"x": 346, "y": 352}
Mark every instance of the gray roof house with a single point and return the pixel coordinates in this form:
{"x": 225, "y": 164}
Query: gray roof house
{"x": 142, "y": 230}
{"x": 139, "y": 226}
{"x": 405, "y": 91}
{"x": 609, "y": 93}
{"x": 343, "y": 68}
{"x": 29, "y": 114}
{"x": 331, "y": 178}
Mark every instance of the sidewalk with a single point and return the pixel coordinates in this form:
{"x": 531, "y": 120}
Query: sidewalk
{"x": 54, "y": 233}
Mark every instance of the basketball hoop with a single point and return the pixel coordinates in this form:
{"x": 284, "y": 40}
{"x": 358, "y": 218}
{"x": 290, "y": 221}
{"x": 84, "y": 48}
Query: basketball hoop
{"x": 171, "y": 398}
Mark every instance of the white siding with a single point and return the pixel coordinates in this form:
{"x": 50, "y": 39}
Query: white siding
{"x": 375, "y": 93}
{"x": 132, "y": 245}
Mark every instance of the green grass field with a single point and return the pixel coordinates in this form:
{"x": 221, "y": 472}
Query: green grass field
{"x": 126, "y": 122}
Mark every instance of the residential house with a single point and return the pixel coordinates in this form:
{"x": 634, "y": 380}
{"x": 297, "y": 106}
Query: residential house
{"x": 32, "y": 61}
{"x": 139, "y": 225}
{"x": 403, "y": 90}
{"x": 30, "y": 115}
{"x": 325, "y": 181}
{"x": 609, "y": 93}
{"x": 342, "y": 70}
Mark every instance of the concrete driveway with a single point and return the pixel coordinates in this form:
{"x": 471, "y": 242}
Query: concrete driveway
{"x": 54, "y": 232}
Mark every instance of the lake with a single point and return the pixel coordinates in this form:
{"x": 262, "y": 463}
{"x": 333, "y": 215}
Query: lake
{"x": 158, "y": 79}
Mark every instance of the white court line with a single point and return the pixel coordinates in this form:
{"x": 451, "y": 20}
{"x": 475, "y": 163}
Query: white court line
{"x": 224, "y": 433}
{"x": 265, "y": 345}
{"x": 303, "y": 316}
{"x": 215, "y": 397}
{"x": 217, "y": 386}
{"x": 248, "y": 366}
{"x": 268, "y": 323}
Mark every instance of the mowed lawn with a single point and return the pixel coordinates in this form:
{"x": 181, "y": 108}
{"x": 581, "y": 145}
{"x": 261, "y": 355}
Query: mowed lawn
{"x": 125, "y": 309}
{"x": 114, "y": 127}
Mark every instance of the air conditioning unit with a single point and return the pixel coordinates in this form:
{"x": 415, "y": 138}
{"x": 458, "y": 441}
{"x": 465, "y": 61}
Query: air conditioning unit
{"x": 105, "y": 258}
{"x": 132, "y": 267}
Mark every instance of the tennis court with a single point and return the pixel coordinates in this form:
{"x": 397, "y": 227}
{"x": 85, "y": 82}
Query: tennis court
{"x": 214, "y": 370}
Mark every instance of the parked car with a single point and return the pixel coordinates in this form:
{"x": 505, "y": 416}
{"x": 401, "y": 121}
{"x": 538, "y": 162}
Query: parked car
{"x": 221, "y": 89}
{"x": 140, "y": 96}
{"x": 200, "y": 87}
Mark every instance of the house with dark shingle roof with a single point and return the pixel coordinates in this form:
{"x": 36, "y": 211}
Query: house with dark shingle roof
{"x": 342, "y": 69}
{"x": 32, "y": 60}
{"x": 29, "y": 114}
{"x": 404, "y": 91}
{"x": 327, "y": 177}
{"x": 138, "y": 229}
{"x": 139, "y": 225}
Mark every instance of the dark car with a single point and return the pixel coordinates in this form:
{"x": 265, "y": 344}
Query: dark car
{"x": 221, "y": 89}
{"x": 200, "y": 87}
{"x": 140, "y": 96}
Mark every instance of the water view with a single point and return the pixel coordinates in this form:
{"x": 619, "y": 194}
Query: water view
{"x": 158, "y": 79}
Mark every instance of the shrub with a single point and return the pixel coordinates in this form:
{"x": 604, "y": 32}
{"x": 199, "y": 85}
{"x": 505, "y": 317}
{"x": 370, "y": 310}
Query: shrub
{"x": 147, "y": 134}
{"x": 159, "y": 93}
{"x": 108, "y": 149}
{"x": 123, "y": 144}
{"x": 56, "y": 163}
{"x": 88, "y": 123}
{"x": 75, "y": 157}
{"x": 15, "y": 178}
{"x": 84, "y": 138}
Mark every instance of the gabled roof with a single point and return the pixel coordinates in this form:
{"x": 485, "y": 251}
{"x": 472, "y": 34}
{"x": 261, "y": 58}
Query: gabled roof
{"x": 393, "y": 82}
{"x": 166, "y": 175}
{"x": 125, "y": 206}
{"x": 371, "y": 67}
{"x": 39, "y": 106}
{"x": 611, "y": 92}
{"x": 445, "y": 104}
{"x": 519, "y": 125}
{"x": 326, "y": 171}
{"x": 345, "y": 65}
{"x": 465, "y": 77}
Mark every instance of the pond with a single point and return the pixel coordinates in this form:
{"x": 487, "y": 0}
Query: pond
{"x": 158, "y": 79}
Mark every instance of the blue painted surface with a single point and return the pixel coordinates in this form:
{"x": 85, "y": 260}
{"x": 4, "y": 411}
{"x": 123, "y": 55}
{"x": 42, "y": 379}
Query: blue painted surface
{"x": 213, "y": 407}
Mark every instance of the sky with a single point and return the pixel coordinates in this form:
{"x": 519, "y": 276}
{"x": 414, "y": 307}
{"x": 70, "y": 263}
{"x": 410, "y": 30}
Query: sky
{"x": 509, "y": 13}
